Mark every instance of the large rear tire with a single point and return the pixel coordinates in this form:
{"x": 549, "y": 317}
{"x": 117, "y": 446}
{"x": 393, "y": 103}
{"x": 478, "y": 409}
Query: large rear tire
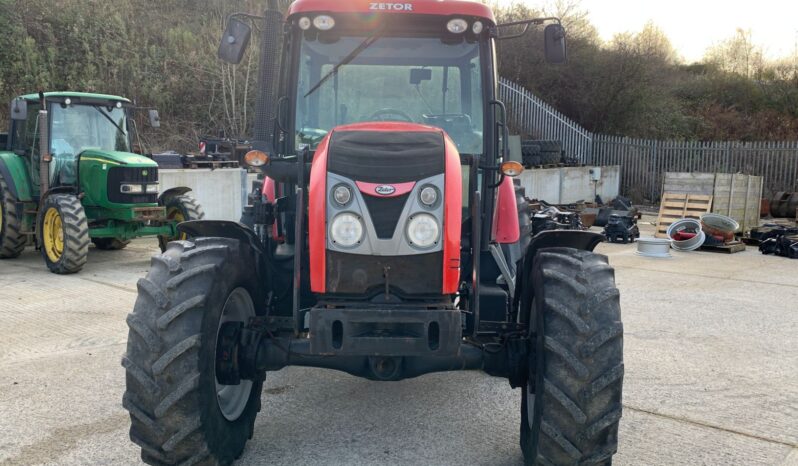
{"x": 183, "y": 208}
{"x": 179, "y": 413}
{"x": 63, "y": 232}
{"x": 12, "y": 240}
{"x": 571, "y": 406}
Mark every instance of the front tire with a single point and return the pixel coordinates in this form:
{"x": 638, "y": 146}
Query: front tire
{"x": 179, "y": 413}
{"x": 571, "y": 407}
{"x": 183, "y": 208}
{"x": 63, "y": 234}
{"x": 12, "y": 240}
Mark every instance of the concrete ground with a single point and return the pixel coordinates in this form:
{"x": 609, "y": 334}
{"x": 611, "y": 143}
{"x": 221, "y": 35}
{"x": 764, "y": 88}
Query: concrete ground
{"x": 711, "y": 375}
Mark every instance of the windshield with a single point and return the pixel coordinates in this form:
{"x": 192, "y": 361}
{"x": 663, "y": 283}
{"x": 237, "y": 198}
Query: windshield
{"x": 77, "y": 128}
{"x": 421, "y": 80}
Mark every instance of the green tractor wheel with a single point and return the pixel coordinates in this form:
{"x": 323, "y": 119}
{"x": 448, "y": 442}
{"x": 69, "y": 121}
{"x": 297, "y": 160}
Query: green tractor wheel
{"x": 12, "y": 241}
{"x": 109, "y": 244}
{"x": 180, "y": 209}
{"x": 63, "y": 233}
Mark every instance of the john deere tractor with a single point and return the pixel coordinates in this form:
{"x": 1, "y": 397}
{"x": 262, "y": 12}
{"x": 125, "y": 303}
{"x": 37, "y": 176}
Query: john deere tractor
{"x": 68, "y": 177}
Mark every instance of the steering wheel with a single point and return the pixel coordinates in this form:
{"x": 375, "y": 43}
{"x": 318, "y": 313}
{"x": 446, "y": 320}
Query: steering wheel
{"x": 380, "y": 115}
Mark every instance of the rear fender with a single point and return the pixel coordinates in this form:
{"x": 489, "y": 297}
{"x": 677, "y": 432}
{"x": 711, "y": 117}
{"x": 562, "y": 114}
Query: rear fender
{"x": 12, "y": 167}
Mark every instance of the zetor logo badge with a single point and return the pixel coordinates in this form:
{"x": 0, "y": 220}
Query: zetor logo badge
{"x": 385, "y": 190}
{"x": 392, "y": 6}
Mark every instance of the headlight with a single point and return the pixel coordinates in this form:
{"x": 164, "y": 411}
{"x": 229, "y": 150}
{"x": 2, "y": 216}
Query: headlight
{"x": 152, "y": 188}
{"x": 423, "y": 231}
{"x": 324, "y": 22}
{"x": 346, "y": 230}
{"x": 457, "y": 26}
{"x": 304, "y": 23}
{"x": 342, "y": 194}
{"x": 428, "y": 196}
{"x": 132, "y": 188}
{"x": 477, "y": 27}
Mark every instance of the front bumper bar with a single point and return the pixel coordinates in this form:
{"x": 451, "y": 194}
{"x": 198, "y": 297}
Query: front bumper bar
{"x": 384, "y": 332}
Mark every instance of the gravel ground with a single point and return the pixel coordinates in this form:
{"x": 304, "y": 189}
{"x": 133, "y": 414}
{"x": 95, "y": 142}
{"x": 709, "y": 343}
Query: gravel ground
{"x": 711, "y": 375}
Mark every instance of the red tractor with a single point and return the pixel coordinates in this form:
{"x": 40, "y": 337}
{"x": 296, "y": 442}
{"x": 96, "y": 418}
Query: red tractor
{"x": 383, "y": 241}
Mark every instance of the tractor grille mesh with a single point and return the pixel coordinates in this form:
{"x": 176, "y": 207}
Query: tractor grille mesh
{"x": 385, "y": 213}
{"x": 124, "y": 175}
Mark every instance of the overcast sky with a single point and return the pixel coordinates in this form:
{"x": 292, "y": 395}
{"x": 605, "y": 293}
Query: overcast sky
{"x": 695, "y": 25}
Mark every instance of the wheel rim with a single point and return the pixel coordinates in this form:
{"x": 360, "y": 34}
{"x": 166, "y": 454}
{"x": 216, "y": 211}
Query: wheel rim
{"x": 175, "y": 214}
{"x": 232, "y": 399}
{"x": 53, "y": 233}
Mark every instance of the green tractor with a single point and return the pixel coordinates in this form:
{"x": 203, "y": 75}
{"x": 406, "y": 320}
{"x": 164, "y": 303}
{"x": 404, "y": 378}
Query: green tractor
{"x": 68, "y": 177}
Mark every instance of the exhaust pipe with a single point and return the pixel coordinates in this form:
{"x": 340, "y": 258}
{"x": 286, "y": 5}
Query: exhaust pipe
{"x": 266, "y": 105}
{"x": 44, "y": 148}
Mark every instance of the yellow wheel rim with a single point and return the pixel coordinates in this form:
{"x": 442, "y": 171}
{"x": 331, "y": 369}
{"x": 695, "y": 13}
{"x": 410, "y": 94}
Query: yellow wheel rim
{"x": 53, "y": 233}
{"x": 174, "y": 213}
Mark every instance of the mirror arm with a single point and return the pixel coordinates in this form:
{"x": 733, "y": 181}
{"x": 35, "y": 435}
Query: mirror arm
{"x": 526, "y": 23}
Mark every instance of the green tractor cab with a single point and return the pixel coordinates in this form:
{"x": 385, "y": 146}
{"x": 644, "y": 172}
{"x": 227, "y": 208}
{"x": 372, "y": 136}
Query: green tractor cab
{"x": 69, "y": 177}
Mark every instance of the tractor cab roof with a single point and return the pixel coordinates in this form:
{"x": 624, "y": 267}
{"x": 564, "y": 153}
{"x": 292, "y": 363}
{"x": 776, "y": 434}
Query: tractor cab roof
{"x": 77, "y": 95}
{"x": 419, "y": 7}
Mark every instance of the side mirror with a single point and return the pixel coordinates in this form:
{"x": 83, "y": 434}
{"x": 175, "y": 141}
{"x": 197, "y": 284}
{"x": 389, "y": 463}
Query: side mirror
{"x": 155, "y": 119}
{"x": 554, "y": 38}
{"x": 234, "y": 41}
{"x": 19, "y": 109}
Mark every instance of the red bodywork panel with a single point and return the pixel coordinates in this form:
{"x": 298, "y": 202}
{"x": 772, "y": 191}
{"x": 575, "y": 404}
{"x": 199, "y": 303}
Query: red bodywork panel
{"x": 506, "y": 229}
{"x": 419, "y": 7}
{"x": 269, "y": 191}
{"x": 452, "y": 217}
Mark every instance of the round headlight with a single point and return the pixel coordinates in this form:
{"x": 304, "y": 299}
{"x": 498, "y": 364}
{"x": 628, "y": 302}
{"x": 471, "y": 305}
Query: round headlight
{"x": 477, "y": 27}
{"x": 457, "y": 26}
{"x": 423, "y": 231}
{"x": 324, "y": 22}
{"x": 429, "y": 196}
{"x": 67, "y": 101}
{"x": 346, "y": 230}
{"x": 342, "y": 194}
{"x": 304, "y": 23}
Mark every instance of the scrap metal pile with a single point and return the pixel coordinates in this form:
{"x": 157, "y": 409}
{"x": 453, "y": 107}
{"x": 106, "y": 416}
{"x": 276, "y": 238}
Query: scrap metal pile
{"x": 777, "y": 239}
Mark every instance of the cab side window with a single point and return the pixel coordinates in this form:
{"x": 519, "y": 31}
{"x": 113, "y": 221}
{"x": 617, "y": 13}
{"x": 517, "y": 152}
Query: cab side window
{"x": 26, "y": 133}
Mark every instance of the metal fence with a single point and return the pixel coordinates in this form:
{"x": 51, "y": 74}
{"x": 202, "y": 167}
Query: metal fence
{"x": 644, "y": 161}
{"x": 531, "y": 116}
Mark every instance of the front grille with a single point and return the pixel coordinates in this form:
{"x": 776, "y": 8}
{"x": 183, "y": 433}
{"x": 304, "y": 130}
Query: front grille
{"x": 385, "y": 213}
{"x": 124, "y": 175}
{"x": 364, "y": 276}
{"x": 386, "y": 157}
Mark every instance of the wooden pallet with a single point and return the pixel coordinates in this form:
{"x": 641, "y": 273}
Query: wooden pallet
{"x": 728, "y": 248}
{"x": 676, "y": 206}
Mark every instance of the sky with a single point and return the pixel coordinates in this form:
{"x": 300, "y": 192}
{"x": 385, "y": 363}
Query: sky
{"x": 695, "y": 25}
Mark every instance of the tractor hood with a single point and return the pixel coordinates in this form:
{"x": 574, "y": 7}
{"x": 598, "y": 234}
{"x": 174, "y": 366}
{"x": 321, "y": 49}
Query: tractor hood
{"x": 117, "y": 158}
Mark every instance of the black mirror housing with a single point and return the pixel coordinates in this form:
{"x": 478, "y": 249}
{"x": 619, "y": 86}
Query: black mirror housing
{"x": 555, "y": 44}
{"x": 19, "y": 109}
{"x": 155, "y": 119}
{"x": 234, "y": 41}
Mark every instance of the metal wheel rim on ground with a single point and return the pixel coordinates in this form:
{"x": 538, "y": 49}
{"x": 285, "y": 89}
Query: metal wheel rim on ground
{"x": 232, "y": 399}
{"x": 53, "y": 234}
